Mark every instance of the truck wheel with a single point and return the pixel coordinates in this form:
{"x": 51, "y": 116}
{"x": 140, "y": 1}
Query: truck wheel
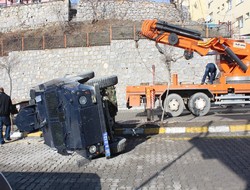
{"x": 104, "y": 82}
{"x": 82, "y": 78}
{"x": 174, "y": 105}
{"x": 118, "y": 145}
{"x": 89, "y": 75}
{"x": 199, "y": 104}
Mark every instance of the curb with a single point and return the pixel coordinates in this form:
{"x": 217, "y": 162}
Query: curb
{"x": 35, "y": 134}
{"x": 179, "y": 130}
{"x": 25, "y": 134}
{"x": 171, "y": 130}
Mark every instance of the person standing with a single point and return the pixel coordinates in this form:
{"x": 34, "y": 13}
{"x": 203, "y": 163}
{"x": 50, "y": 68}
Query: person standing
{"x": 5, "y": 110}
{"x": 210, "y": 72}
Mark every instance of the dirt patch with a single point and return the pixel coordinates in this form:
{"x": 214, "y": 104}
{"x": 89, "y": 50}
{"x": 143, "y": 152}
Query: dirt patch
{"x": 58, "y": 29}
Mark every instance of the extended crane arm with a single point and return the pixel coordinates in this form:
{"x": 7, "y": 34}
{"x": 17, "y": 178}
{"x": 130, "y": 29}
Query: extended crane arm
{"x": 163, "y": 32}
{"x": 191, "y": 40}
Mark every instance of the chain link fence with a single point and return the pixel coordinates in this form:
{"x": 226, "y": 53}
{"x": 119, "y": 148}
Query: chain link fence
{"x": 128, "y": 32}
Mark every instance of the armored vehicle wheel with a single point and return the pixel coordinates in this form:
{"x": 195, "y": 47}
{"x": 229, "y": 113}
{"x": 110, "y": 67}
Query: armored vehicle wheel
{"x": 118, "y": 145}
{"x": 199, "y": 104}
{"x": 104, "y": 82}
{"x": 82, "y": 78}
{"x": 174, "y": 105}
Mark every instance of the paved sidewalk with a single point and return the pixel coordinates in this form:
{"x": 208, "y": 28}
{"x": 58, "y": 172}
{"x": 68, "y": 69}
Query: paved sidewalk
{"x": 158, "y": 162}
{"x": 134, "y": 121}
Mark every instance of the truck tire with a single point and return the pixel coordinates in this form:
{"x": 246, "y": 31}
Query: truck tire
{"x": 118, "y": 145}
{"x": 87, "y": 75}
{"x": 173, "y": 105}
{"x": 104, "y": 82}
{"x": 199, "y": 104}
{"x": 82, "y": 78}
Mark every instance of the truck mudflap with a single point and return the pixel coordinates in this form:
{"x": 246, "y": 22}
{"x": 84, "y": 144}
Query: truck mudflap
{"x": 106, "y": 145}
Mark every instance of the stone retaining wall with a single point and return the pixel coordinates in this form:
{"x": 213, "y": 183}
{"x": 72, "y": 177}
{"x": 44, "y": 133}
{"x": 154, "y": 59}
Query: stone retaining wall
{"x": 132, "y": 66}
{"x": 32, "y": 16}
{"x": 127, "y": 10}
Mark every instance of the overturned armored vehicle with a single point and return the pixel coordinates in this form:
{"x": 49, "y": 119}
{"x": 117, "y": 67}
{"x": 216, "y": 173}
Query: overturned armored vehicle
{"x": 75, "y": 114}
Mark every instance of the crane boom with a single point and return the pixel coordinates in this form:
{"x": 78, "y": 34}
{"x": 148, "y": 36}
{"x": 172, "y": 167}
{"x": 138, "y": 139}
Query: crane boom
{"x": 232, "y": 59}
{"x": 191, "y": 40}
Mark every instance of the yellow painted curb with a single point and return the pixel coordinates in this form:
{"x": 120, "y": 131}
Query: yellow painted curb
{"x": 160, "y": 130}
{"x": 35, "y": 134}
{"x": 235, "y": 128}
{"x": 196, "y": 129}
{"x": 118, "y": 131}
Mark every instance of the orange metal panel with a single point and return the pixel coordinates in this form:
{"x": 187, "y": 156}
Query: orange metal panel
{"x": 134, "y": 100}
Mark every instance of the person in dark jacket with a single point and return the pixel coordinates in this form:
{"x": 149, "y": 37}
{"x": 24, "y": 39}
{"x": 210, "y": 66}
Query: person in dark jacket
{"x": 5, "y": 110}
{"x": 210, "y": 72}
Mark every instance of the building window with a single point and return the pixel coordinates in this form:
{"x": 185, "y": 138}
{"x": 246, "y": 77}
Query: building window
{"x": 229, "y": 4}
{"x": 239, "y": 2}
{"x": 240, "y": 22}
{"x": 218, "y": 9}
{"x": 247, "y": 16}
{"x": 210, "y": 17}
{"x": 209, "y": 3}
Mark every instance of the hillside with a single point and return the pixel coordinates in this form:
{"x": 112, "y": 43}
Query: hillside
{"x": 71, "y": 28}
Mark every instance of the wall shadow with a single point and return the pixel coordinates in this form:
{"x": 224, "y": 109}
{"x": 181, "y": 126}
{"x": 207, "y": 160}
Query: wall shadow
{"x": 52, "y": 180}
{"x": 234, "y": 153}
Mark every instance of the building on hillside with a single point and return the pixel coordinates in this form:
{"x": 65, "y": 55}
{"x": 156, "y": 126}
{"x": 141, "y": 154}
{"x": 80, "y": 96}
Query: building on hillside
{"x": 197, "y": 9}
{"x": 235, "y": 11}
{"x": 213, "y": 12}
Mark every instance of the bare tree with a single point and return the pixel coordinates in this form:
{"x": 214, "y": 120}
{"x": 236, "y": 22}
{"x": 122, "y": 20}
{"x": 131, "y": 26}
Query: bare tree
{"x": 94, "y": 5}
{"x": 181, "y": 10}
{"x": 169, "y": 57}
{"x": 8, "y": 63}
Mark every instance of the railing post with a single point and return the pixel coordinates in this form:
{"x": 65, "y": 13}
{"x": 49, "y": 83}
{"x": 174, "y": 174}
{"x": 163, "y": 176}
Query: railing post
{"x": 87, "y": 39}
{"x": 110, "y": 33}
{"x": 65, "y": 41}
{"x": 22, "y": 43}
{"x": 2, "y": 47}
{"x": 43, "y": 42}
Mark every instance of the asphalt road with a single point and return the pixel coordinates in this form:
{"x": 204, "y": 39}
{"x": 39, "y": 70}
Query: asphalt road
{"x": 216, "y": 116}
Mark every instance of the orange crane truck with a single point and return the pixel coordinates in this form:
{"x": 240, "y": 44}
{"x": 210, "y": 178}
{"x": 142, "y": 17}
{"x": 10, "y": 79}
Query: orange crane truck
{"x": 231, "y": 88}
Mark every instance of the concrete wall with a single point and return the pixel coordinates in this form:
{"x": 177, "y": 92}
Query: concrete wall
{"x": 127, "y": 10}
{"x": 132, "y": 66}
{"x": 32, "y": 16}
